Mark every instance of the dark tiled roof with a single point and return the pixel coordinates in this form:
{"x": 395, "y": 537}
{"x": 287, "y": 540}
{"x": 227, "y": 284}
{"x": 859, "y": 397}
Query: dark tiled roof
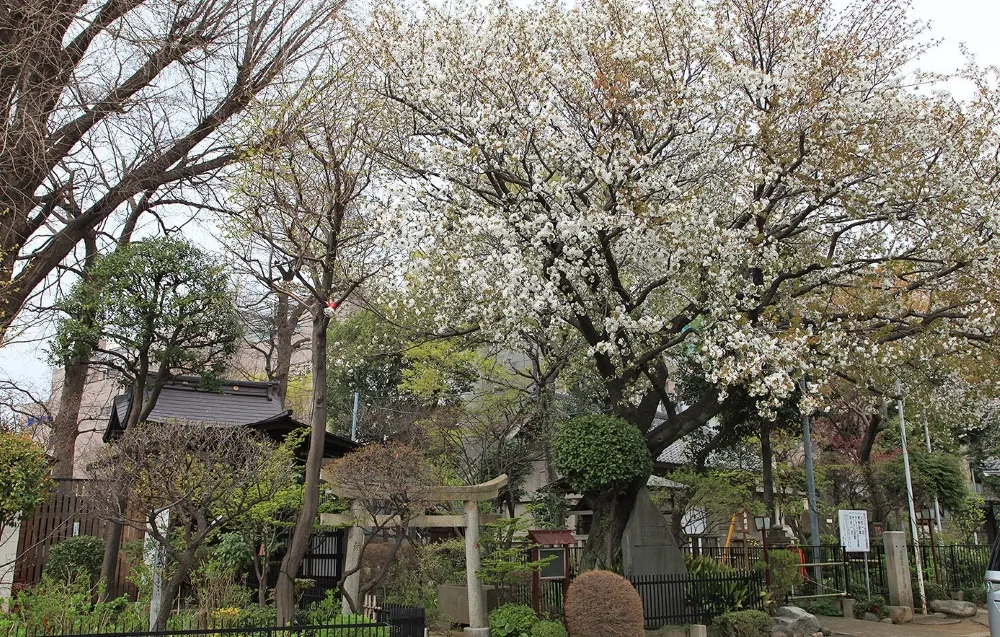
{"x": 233, "y": 403}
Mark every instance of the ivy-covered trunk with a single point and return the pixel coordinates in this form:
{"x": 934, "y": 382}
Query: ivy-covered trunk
{"x": 612, "y": 510}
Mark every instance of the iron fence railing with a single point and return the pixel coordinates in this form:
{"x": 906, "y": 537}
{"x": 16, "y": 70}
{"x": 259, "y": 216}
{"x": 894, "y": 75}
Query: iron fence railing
{"x": 682, "y": 599}
{"x": 361, "y": 628}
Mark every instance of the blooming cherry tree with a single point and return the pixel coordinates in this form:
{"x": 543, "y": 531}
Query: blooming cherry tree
{"x": 761, "y": 187}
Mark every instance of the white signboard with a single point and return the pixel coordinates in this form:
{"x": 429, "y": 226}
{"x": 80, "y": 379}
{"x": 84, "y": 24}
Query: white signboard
{"x": 854, "y": 531}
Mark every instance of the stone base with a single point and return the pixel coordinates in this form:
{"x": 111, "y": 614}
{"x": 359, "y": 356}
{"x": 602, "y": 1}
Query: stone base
{"x": 476, "y": 632}
{"x": 847, "y": 607}
{"x": 698, "y": 630}
{"x": 900, "y": 614}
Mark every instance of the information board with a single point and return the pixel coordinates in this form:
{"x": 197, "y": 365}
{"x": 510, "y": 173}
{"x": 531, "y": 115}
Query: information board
{"x": 854, "y": 531}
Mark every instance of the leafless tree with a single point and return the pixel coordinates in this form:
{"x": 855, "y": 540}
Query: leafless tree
{"x": 182, "y": 482}
{"x": 113, "y": 107}
{"x": 308, "y": 219}
{"x": 392, "y": 483}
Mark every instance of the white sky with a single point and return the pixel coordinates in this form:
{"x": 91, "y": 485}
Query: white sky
{"x": 955, "y": 22}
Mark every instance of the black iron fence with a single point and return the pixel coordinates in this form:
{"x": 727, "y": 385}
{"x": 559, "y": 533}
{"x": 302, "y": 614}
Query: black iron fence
{"x": 403, "y": 621}
{"x": 360, "y": 628}
{"x": 683, "y": 599}
{"x": 956, "y": 567}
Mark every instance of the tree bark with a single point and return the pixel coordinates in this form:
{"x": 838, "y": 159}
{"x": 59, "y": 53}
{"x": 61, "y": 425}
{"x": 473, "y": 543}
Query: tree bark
{"x": 284, "y": 592}
{"x": 109, "y": 565}
{"x": 612, "y": 510}
{"x": 170, "y": 590}
{"x": 767, "y": 467}
{"x": 65, "y": 426}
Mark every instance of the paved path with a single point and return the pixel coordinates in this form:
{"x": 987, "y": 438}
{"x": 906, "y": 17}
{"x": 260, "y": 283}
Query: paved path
{"x": 857, "y": 628}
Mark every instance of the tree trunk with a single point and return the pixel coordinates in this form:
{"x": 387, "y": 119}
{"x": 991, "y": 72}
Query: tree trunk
{"x": 109, "y": 565}
{"x": 65, "y": 427}
{"x": 260, "y": 568}
{"x": 767, "y": 467}
{"x": 284, "y": 592}
{"x": 286, "y": 318}
{"x": 170, "y": 589}
{"x": 612, "y": 510}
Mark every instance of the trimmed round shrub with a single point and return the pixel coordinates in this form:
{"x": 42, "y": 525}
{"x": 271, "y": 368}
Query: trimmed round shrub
{"x": 548, "y": 629}
{"x": 597, "y": 452}
{"x": 744, "y": 623}
{"x": 75, "y": 554}
{"x": 603, "y": 604}
{"x": 512, "y": 620}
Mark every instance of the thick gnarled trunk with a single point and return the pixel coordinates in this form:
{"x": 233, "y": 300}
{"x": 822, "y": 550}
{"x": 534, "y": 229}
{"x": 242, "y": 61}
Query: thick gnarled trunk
{"x": 611, "y": 511}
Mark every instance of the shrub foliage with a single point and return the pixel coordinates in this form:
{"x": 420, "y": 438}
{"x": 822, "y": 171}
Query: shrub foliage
{"x": 744, "y": 623}
{"x": 75, "y": 554}
{"x": 512, "y": 620}
{"x": 597, "y": 452}
{"x": 548, "y": 629}
{"x": 603, "y": 604}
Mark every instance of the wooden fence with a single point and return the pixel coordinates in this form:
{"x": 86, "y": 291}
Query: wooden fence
{"x": 65, "y": 514}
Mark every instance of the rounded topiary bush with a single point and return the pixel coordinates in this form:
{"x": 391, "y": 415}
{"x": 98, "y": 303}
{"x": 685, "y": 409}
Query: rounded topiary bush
{"x": 75, "y": 554}
{"x": 548, "y": 629}
{"x": 596, "y": 452}
{"x": 512, "y": 620}
{"x": 603, "y": 604}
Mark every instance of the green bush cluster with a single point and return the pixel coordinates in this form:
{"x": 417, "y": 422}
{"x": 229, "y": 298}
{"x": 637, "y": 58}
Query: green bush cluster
{"x": 65, "y": 606}
{"x": 874, "y": 605}
{"x": 785, "y": 573}
{"x": 716, "y": 597}
{"x": 975, "y": 595}
{"x": 744, "y": 623}
{"x": 512, "y": 620}
{"x": 933, "y": 591}
{"x": 74, "y": 555}
{"x": 548, "y": 628}
{"x": 823, "y": 608}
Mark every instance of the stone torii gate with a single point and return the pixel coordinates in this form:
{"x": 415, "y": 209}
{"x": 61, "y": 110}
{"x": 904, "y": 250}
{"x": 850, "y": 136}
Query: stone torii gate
{"x": 471, "y": 520}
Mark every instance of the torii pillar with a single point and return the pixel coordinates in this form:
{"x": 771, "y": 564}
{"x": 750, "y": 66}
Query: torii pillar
{"x": 471, "y": 520}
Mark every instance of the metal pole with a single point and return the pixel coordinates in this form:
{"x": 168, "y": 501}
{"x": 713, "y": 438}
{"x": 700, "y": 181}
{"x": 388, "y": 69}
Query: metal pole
{"x": 767, "y": 559}
{"x": 354, "y": 419}
{"x": 868, "y": 579}
{"x": 937, "y": 507}
{"x": 811, "y": 493}
{"x": 909, "y": 497}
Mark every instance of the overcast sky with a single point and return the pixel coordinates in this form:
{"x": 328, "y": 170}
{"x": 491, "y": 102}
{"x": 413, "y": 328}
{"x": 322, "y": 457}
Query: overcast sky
{"x": 955, "y": 22}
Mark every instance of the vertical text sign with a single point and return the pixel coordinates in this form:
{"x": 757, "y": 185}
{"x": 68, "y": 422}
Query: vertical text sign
{"x": 854, "y": 531}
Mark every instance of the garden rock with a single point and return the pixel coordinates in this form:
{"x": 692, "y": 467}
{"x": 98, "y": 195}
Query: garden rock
{"x": 900, "y": 614}
{"x": 953, "y": 607}
{"x": 781, "y": 631}
{"x": 801, "y": 623}
{"x": 886, "y": 620}
{"x": 870, "y": 617}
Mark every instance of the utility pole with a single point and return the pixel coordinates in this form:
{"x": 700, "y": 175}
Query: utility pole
{"x": 909, "y": 497}
{"x": 811, "y": 492}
